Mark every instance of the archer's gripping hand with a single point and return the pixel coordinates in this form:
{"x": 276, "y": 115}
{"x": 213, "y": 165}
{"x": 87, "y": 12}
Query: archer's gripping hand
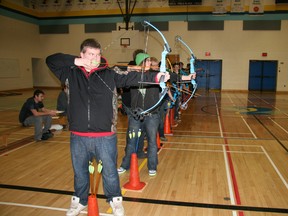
{"x": 188, "y": 77}
{"x": 166, "y": 76}
{"x": 193, "y": 76}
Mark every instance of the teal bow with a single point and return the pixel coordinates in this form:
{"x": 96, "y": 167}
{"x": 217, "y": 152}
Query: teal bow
{"x": 184, "y": 105}
{"x": 139, "y": 113}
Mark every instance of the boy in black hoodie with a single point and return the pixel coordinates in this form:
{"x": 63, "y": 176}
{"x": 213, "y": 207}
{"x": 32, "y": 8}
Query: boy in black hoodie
{"x": 92, "y": 114}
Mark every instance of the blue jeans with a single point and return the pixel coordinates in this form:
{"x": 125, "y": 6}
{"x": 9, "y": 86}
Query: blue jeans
{"x": 162, "y": 113}
{"x": 177, "y": 108}
{"x": 140, "y": 150}
{"x": 150, "y": 124}
{"x": 83, "y": 150}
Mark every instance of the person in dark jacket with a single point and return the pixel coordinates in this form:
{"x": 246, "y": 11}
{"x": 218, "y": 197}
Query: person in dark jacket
{"x": 92, "y": 114}
{"x": 62, "y": 100}
{"x": 144, "y": 98}
{"x": 62, "y": 105}
{"x": 126, "y": 101}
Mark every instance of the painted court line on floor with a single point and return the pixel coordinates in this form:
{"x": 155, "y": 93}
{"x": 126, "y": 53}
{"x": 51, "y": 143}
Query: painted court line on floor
{"x": 250, "y": 129}
{"x": 218, "y": 151}
{"x": 278, "y": 125}
{"x": 275, "y": 168}
{"x": 229, "y": 180}
{"x": 43, "y": 207}
{"x": 229, "y": 164}
{"x": 212, "y": 144}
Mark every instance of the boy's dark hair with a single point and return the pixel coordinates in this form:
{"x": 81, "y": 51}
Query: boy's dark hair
{"x": 176, "y": 63}
{"x": 37, "y": 92}
{"x": 90, "y": 42}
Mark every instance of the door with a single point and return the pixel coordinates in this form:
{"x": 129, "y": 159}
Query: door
{"x": 262, "y": 75}
{"x": 209, "y": 74}
{"x": 36, "y": 72}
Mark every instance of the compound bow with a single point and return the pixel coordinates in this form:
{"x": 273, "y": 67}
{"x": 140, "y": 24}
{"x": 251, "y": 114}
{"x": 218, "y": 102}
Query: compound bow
{"x": 138, "y": 112}
{"x": 184, "y": 105}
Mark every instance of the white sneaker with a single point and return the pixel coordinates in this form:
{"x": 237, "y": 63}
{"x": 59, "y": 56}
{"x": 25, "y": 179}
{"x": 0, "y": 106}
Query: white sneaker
{"x": 76, "y": 207}
{"x": 117, "y": 207}
{"x": 121, "y": 170}
{"x": 152, "y": 172}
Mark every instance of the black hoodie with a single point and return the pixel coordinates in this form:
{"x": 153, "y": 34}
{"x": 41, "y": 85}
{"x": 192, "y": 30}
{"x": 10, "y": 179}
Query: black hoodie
{"x": 92, "y": 96}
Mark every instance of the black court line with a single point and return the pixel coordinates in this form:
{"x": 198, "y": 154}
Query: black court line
{"x": 270, "y": 132}
{"x": 158, "y": 202}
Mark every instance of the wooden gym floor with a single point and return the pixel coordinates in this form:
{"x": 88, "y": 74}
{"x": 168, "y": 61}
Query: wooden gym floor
{"x": 228, "y": 156}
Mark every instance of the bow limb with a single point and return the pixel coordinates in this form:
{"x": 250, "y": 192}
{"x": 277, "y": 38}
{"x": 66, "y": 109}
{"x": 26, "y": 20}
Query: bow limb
{"x": 165, "y": 51}
{"x": 192, "y": 71}
{"x": 154, "y": 106}
{"x": 192, "y": 58}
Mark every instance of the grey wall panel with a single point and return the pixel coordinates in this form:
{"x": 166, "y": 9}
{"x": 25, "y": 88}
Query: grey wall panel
{"x": 100, "y": 27}
{"x": 205, "y": 25}
{"x": 251, "y": 25}
{"x": 162, "y": 26}
{"x": 54, "y": 29}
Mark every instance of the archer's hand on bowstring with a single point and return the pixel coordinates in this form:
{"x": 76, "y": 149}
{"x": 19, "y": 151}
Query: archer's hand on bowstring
{"x": 88, "y": 64}
{"x": 137, "y": 68}
{"x": 140, "y": 69}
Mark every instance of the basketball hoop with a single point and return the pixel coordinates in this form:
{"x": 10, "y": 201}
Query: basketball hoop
{"x": 124, "y": 42}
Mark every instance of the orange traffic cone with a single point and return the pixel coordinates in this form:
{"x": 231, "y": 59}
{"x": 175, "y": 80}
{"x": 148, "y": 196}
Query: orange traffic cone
{"x": 167, "y": 125}
{"x": 159, "y": 144}
{"x": 93, "y": 206}
{"x": 134, "y": 179}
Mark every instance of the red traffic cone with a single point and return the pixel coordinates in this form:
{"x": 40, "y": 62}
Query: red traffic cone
{"x": 93, "y": 206}
{"x": 167, "y": 125}
{"x": 134, "y": 179}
